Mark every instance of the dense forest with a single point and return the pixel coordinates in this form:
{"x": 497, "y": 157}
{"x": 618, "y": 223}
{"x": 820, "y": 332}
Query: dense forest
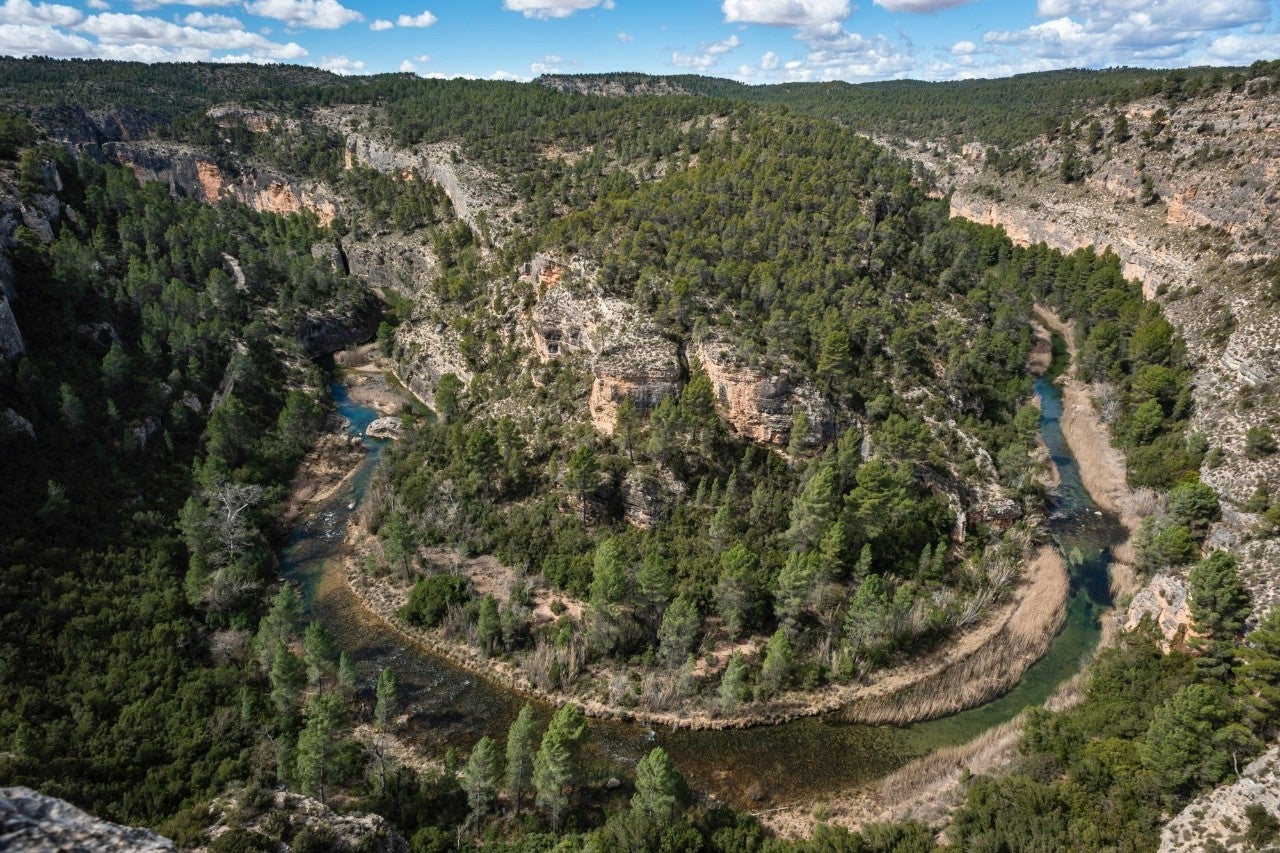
{"x": 170, "y": 390}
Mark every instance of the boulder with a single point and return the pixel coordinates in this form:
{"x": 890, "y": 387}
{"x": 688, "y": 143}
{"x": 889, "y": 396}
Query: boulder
{"x": 35, "y": 823}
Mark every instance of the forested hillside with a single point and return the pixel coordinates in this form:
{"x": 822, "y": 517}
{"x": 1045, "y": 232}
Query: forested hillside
{"x": 712, "y": 415}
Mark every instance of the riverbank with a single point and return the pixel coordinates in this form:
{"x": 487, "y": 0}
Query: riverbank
{"x": 1102, "y": 465}
{"x": 930, "y": 787}
{"x": 974, "y": 667}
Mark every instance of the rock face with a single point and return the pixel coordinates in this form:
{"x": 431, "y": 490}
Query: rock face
{"x": 629, "y": 358}
{"x": 281, "y": 816}
{"x": 192, "y": 174}
{"x": 1164, "y": 599}
{"x": 761, "y": 405}
{"x": 1217, "y": 821}
{"x": 327, "y": 333}
{"x": 648, "y": 493}
{"x": 11, "y": 343}
{"x": 34, "y": 823}
{"x": 384, "y": 428}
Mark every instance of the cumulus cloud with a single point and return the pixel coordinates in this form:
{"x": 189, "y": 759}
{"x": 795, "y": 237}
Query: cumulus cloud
{"x": 919, "y": 7}
{"x": 306, "y": 14}
{"x": 341, "y": 64}
{"x": 212, "y": 22}
{"x": 407, "y": 66}
{"x": 507, "y": 75}
{"x": 769, "y": 61}
{"x": 546, "y": 9}
{"x": 708, "y": 54}
{"x": 549, "y": 64}
{"x": 963, "y": 48}
{"x": 785, "y": 13}
{"x": 1244, "y": 49}
{"x": 1115, "y": 32}
{"x": 24, "y": 12}
{"x": 379, "y": 25}
{"x": 41, "y": 40}
{"x": 626, "y": 37}
{"x": 146, "y": 5}
{"x": 425, "y": 19}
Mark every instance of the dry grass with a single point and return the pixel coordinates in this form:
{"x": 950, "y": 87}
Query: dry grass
{"x": 993, "y": 667}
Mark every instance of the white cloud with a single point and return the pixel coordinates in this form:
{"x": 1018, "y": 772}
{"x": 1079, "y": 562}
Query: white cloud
{"x": 963, "y": 48}
{"x": 508, "y": 76}
{"x": 1096, "y": 33}
{"x": 408, "y": 66}
{"x": 147, "y": 5}
{"x": 425, "y": 19}
{"x": 341, "y": 64}
{"x": 769, "y": 61}
{"x": 212, "y": 22}
{"x": 626, "y": 37}
{"x": 919, "y": 7}
{"x": 41, "y": 40}
{"x": 379, "y": 25}
{"x": 546, "y": 9}
{"x": 309, "y": 14}
{"x": 549, "y": 64}
{"x": 785, "y": 13}
{"x": 708, "y": 54}
{"x": 98, "y": 5}
{"x": 147, "y": 39}
{"x": 1242, "y": 50}
{"x": 24, "y": 12}
{"x": 422, "y": 57}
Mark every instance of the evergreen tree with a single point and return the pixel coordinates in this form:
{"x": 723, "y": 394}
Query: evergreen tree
{"x": 317, "y": 745}
{"x": 480, "y": 777}
{"x": 814, "y": 510}
{"x": 1219, "y": 600}
{"x": 319, "y": 652}
{"x": 584, "y": 470}
{"x": 385, "y": 697}
{"x": 658, "y": 788}
{"x": 288, "y": 675}
{"x": 554, "y": 772}
{"x": 776, "y": 669}
{"x": 520, "y": 756}
{"x": 347, "y": 675}
{"x": 678, "y": 631}
{"x": 733, "y": 684}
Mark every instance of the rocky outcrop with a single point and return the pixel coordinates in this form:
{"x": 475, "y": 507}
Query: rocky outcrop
{"x": 628, "y": 355}
{"x": 34, "y": 823}
{"x": 645, "y": 371}
{"x": 193, "y": 174}
{"x": 325, "y": 333}
{"x": 15, "y": 426}
{"x": 1165, "y": 600}
{"x": 11, "y": 343}
{"x": 1217, "y": 820}
{"x": 648, "y": 493}
{"x": 761, "y": 404}
{"x": 384, "y": 428}
{"x": 271, "y": 818}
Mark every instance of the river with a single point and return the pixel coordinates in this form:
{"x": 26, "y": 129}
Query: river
{"x": 801, "y": 761}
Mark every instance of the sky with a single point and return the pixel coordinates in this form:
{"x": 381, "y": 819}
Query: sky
{"x": 755, "y": 41}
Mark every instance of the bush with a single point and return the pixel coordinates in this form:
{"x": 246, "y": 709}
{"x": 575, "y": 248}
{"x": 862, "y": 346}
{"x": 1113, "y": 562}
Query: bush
{"x": 1259, "y": 441}
{"x": 432, "y": 597}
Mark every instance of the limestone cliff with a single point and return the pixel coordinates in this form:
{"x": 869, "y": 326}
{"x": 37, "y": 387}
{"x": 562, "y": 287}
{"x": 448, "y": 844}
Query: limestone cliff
{"x": 194, "y": 174}
{"x": 34, "y": 823}
{"x": 760, "y": 403}
{"x": 1189, "y": 204}
{"x": 1217, "y": 820}
{"x": 627, "y": 354}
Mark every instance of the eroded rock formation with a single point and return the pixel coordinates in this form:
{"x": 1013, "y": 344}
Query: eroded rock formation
{"x": 761, "y": 404}
{"x": 34, "y": 823}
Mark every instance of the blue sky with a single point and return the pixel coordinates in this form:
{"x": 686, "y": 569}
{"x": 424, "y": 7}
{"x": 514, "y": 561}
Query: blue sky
{"x": 756, "y": 41}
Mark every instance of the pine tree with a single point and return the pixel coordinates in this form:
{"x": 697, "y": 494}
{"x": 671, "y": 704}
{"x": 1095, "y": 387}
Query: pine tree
{"x": 1219, "y": 601}
{"x": 584, "y": 469}
{"x": 520, "y": 756}
{"x": 480, "y": 777}
{"x": 347, "y": 675}
{"x": 776, "y": 668}
{"x": 316, "y": 744}
{"x": 814, "y": 510}
{"x": 385, "y": 697}
{"x": 288, "y": 675}
{"x": 552, "y": 773}
{"x": 678, "y": 631}
{"x": 319, "y": 653}
{"x": 733, "y": 684}
{"x": 658, "y": 788}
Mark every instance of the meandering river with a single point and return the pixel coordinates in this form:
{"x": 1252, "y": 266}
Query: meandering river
{"x": 804, "y": 760}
